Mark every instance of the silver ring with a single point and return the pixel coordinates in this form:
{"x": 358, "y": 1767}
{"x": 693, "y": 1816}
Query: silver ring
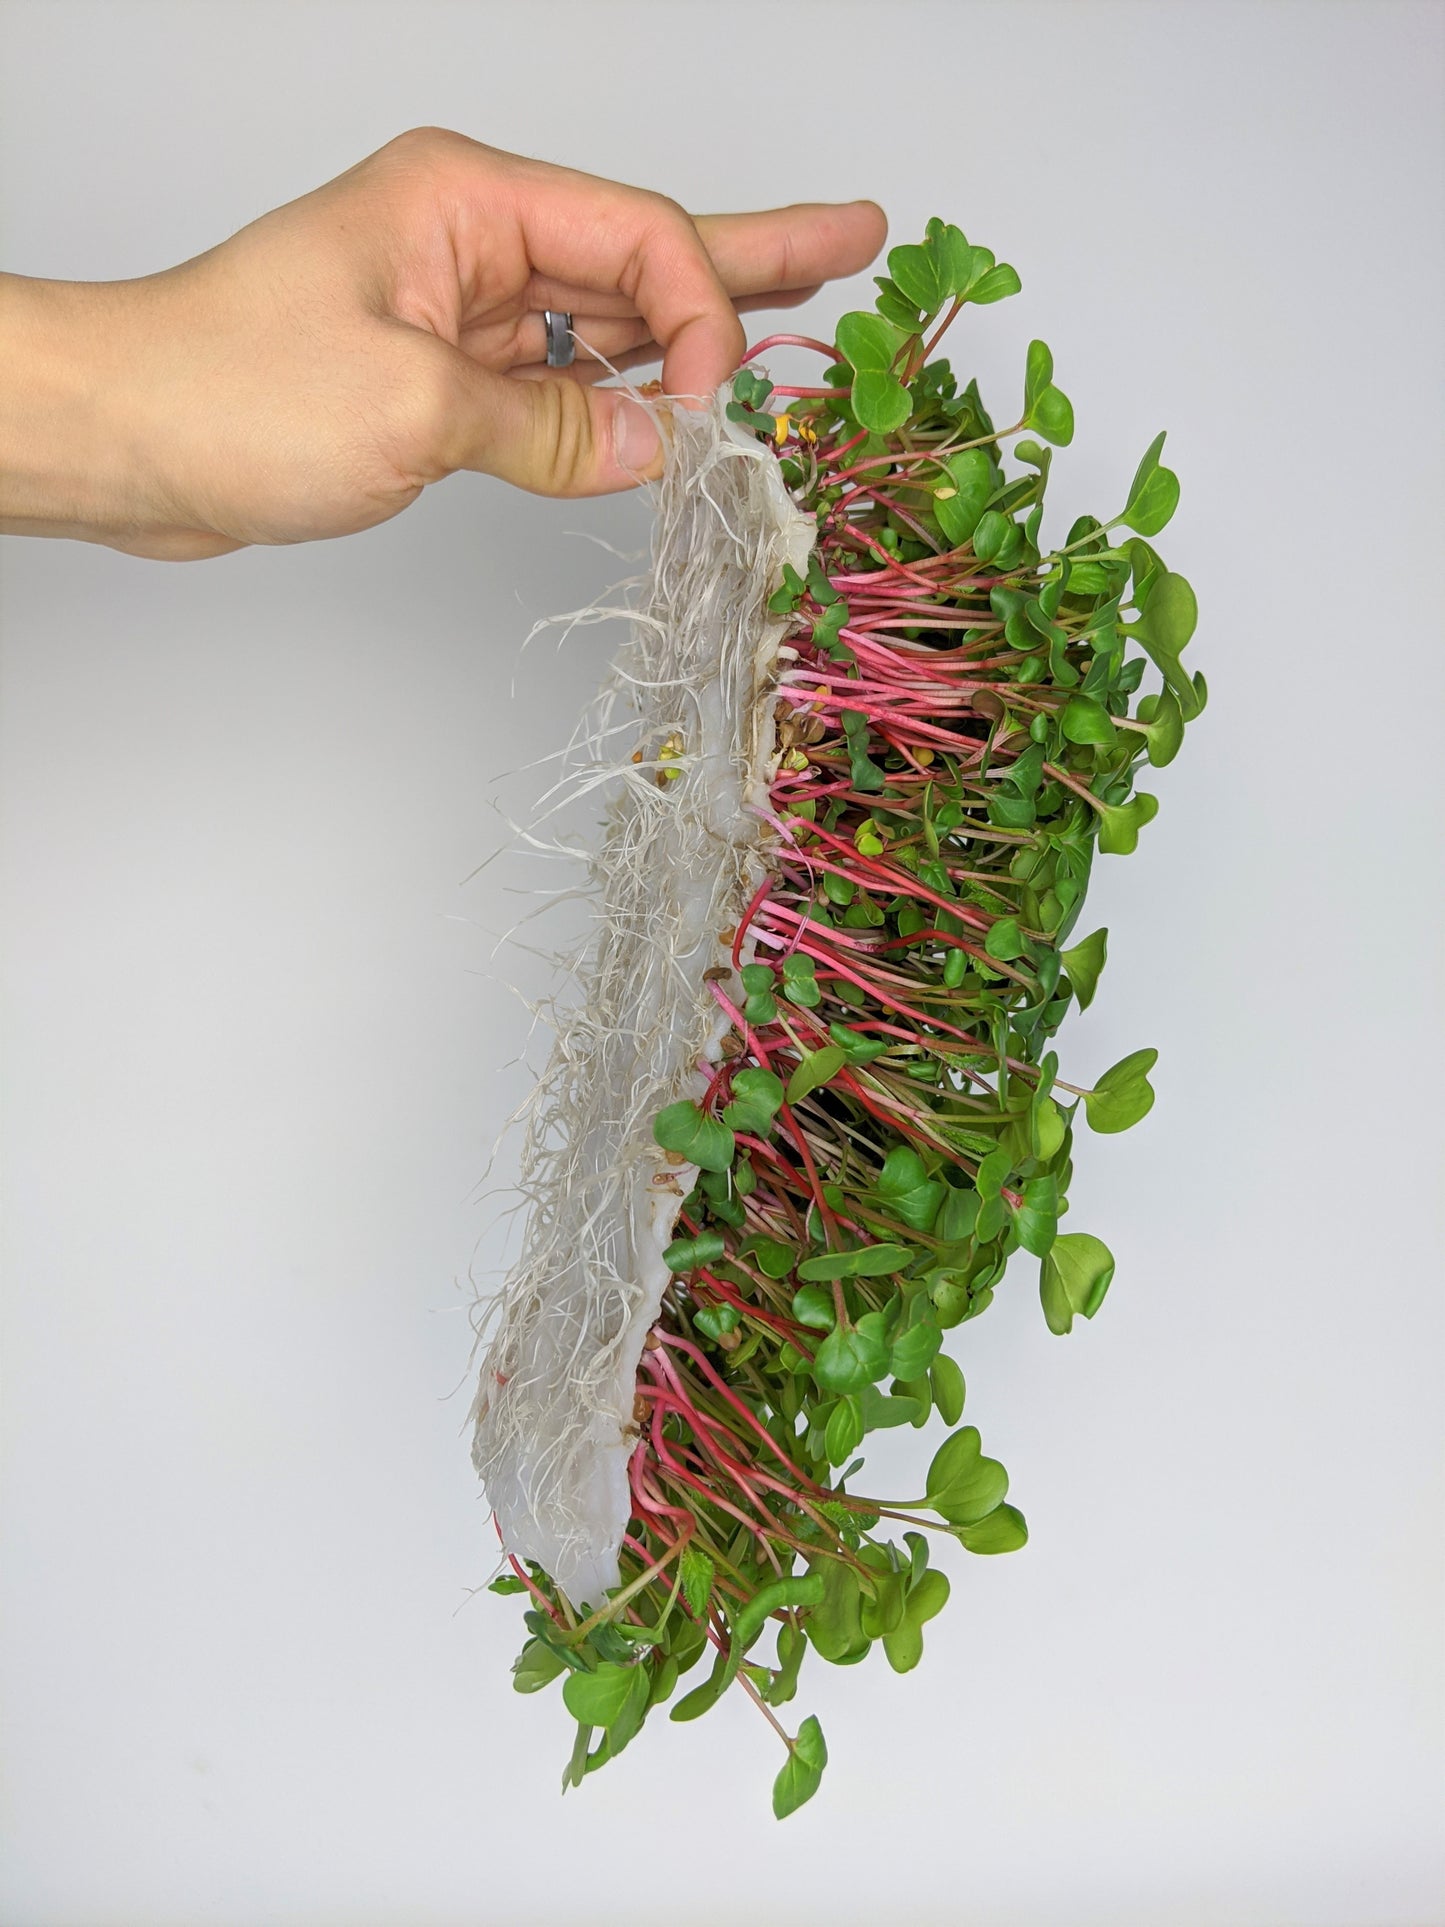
{"x": 561, "y": 348}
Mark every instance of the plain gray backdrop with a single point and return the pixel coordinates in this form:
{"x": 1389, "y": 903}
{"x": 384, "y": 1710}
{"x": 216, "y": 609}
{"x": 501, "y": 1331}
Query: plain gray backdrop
{"x": 257, "y": 1043}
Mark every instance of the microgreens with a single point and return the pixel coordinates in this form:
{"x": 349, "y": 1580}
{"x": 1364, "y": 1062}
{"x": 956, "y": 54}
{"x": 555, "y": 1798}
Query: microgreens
{"x": 956, "y": 742}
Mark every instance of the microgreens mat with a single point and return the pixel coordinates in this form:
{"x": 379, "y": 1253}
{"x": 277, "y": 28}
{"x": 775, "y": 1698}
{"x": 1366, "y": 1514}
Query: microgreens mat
{"x": 883, "y": 1122}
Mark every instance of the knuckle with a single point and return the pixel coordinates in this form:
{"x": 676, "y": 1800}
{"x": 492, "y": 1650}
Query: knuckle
{"x": 428, "y": 152}
{"x": 673, "y": 215}
{"x": 424, "y": 141}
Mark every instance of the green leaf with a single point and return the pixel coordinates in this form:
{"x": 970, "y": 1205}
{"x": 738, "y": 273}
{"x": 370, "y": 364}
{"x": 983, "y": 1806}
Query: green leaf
{"x": 859, "y": 1049}
{"x": 880, "y": 402}
{"x": 772, "y": 1258}
{"x": 948, "y": 1388}
{"x": 910, "y": 1194}
{"x": 597, "y": 1699}
{"x": 792, "y": 1645}
{"x": 1086, "y": 721}
{"x": 1123, "y": 1094}
{"x": 815, "y": 1069}
{"x": 1164, "y": 726}
{"x": 992, "y": 1173}
{"x": 868, "y": 1261}
{"x": 814, "y": 1306}
{"x": 916, "y": 270}
{"x": 1002, "y": 1531}
{"x": 1038, "y": 372}
{"x": 956, "y": 259}
{"x": 958, "y": 1215}
{"x": 963, "y": 1485}
{"x": 1120, "y": 823}
{"x": 866, "y": 774}
{"x": 1153, "y": 494}
{"x": 1037, "y": 1218}
{"x": 868, "y": 342}
{"x": 506, "y": 1583}
{"x": 904, "y": 1646}
{"x": 990, "y": 535}
{"x": 882, "y": 1411}
{"x": 970, "y": 475}
{"x": 1084, "y": 962}
{"x": 757, "y": 1098}
{"x": 801, "y": 1589}
{"x": 698, "y": 1574}
{"x": 843, "y": 1433}
{"x": 915, "y": 1347}
{"x": 996, "y": 285}
{"x": 1046, "y": 1128}
{"x": 1005, "y": 940}
{"x": 1073, "y": 1279}
{"x": 1053, "y": 416}
{"x": 802, "y": 1772}
{"x": 704, "y": 1141}
{"x": 894, "y": 305}
{"x": 835, "y": 1625}
{"x": 1165, "y": 625}
{"x": 883, "y": 1611}
{"x": 715, "y": 1320}
{"x": 800, "y": 984}
{"x": 852, "y": 1356}
{"x": 536, "y": 1666}
{"x": 686, "y": 1254}
{"x": 1046, "y": 408}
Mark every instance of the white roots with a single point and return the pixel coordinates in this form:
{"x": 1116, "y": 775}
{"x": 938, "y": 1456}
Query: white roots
{"x": 679, "y": 861}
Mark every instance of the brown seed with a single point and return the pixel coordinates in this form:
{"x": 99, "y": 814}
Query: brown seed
{"x": 731, "y": 1045}
{"x": 675, "y": 1158}
{"x": 716, "y": 972}
{"x": 652, "y": 1342}
{"x": 639, "y": 1409}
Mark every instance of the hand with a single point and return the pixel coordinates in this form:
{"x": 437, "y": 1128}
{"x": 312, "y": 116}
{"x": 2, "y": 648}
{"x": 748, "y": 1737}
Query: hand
{"x": 312, "y": 374}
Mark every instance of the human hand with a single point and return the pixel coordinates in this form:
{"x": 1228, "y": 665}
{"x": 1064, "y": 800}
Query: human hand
{"x": 309, "y": 376}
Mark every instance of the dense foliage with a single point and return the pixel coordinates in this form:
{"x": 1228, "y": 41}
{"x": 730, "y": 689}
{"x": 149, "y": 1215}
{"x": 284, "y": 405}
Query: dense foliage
{"x": 959, "y": 734}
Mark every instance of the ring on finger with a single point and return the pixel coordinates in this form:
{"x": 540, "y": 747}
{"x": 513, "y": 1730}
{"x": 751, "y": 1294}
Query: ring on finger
{"x": 561, "y": 347}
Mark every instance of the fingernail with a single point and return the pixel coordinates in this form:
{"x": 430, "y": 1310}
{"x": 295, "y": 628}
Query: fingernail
{"x": 636, "y": 443}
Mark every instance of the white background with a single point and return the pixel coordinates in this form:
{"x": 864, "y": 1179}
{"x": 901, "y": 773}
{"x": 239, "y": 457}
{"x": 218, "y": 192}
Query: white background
{"x": 256, "y": 1049}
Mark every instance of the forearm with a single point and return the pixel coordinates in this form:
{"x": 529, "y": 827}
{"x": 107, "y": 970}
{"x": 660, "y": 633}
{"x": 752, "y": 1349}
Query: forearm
{"x": 68, "y": 454}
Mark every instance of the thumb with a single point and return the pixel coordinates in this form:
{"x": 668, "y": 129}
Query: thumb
{"x": 550, "y": 435}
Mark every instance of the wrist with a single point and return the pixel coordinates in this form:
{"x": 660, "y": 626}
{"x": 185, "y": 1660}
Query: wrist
{"x": 76, "y": 457}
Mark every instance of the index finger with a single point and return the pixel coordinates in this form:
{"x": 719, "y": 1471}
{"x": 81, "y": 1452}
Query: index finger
{"x": 608, "y": 237}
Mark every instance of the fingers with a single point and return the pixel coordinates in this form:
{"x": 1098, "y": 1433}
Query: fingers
{"x": 601, "y": 236}
{"x": 763, "y": 256}
{"x": 792, "y": 247}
